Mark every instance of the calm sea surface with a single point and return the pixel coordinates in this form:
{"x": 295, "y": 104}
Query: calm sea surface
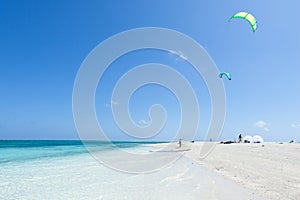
{"x": 65, "y": 170}
{"x": 28, "y": 150}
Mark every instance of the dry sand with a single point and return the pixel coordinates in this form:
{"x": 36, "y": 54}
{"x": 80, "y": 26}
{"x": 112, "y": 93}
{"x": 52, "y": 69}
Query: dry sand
{"x": 272, "y": 171}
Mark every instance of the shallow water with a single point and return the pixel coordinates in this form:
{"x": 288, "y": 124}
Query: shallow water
{"x": 65, "y": 170}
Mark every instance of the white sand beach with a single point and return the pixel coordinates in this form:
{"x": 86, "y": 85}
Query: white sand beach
{"x": 230, "y": 171}
{"x": 271, "y": 171}
{"x": 79, "y": 176}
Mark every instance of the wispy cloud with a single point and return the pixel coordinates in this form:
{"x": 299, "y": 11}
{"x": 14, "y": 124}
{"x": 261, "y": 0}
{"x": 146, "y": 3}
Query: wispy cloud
{"x": 179, "y": 53}
{"x": 143, "y": 122}
{"x": 262, "y": 125}
{"x": 295, "y": 126}
{"x": 112, "y": 103}
{"x": 115, "y": 103}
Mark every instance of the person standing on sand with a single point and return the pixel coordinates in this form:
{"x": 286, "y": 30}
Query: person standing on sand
{"x": 240, "y": 138}
{"x": 179, "y": 142}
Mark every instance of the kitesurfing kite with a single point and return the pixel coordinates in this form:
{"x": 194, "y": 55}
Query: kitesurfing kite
{"x": 247, "y": 16}
{"x": 226, "y": 74}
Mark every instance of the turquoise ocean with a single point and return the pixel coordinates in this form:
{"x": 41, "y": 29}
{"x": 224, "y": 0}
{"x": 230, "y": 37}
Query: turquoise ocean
{"x": 66, "y": 170}
{"x": 14, "y": 151}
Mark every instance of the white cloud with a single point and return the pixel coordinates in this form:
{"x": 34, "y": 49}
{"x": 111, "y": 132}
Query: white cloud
{"x": 143, "y": 122}
{"x": 112, "y": 103}
{"x": 115, "y": 103}
{"x": 179, "y": 53}
{"x": 260, "y": 124}
{"x": 295, "y": 125}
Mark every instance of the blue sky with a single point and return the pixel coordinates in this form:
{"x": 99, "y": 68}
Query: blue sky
{"x": 43, "y": 44}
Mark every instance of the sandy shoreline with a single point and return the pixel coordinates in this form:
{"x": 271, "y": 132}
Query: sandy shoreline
{"x": 271, "y": 171}
{"x": 80, "y": 176}
{"x": 231, "y": 171}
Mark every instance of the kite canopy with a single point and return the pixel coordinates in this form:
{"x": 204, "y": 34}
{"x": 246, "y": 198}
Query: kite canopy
{"x": 247, "y": 16}
{"x": 258, "y": 139}
{"x": 226, "y": 74}
{"x": 248, "y": 139}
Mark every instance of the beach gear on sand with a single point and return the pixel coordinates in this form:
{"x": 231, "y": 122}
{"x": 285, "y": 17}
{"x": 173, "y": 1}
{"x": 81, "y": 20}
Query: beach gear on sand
{"x": 254, "y": 139}
{"x": 258, "y": 139}
{"x": 248, "y": 139}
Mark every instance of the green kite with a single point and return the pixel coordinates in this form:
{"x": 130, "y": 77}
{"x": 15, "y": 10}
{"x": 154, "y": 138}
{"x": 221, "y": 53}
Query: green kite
{"x": 247, "y": 16}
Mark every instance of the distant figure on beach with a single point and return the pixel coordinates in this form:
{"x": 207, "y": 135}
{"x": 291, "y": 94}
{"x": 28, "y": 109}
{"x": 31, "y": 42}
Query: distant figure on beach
{"x": 179, "y": 142}
{"x": 240, "y": 138}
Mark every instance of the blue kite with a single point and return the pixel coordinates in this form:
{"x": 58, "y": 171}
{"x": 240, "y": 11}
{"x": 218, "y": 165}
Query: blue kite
{"x": 228, "y": 75}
